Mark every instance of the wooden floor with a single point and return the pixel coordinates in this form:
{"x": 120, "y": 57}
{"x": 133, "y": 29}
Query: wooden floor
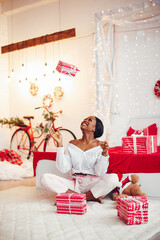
{"x": 30, "y": 182}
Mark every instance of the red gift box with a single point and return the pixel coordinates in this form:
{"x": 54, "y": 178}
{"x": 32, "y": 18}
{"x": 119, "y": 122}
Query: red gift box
{"x": 132, "y": 210}
{"x": 67, "y": 69}
{"x": 139, "y": 144}
{"x": 71, "y": 203}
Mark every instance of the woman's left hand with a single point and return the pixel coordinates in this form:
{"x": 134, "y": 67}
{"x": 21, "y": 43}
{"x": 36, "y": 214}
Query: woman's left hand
{"x": 105, "y": 147}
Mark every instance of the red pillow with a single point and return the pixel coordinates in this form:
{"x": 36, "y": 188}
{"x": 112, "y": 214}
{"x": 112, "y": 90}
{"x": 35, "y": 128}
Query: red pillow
{"x": 10, "y": 156}
{"x": 150, "y": 130}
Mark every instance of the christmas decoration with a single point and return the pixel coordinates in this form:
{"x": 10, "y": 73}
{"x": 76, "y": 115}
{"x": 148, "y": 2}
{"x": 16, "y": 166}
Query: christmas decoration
{"x": 157, "y": 89}
{"x": 139, "y": 144}
{"x": 33, "y": 89}
{"x": 67, "y": 69}
{"x": 71, "y": 203}
{"x": 48, "y": 117}
{"x": 132, "y": 209}
{"x": 58, "y": 92}
{"x": 13, "y": 121}
{"x": 47, "y": 101}
{"x": 10, "y": 156}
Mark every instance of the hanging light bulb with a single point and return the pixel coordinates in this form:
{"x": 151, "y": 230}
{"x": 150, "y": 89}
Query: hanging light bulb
{"x": 12, "y": 73}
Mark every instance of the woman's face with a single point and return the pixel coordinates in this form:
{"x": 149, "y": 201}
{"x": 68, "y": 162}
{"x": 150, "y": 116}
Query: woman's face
{"x": 89, "y": 124}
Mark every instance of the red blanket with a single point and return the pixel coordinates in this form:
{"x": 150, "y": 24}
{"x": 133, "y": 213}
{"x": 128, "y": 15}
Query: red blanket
{"x": 133, "y": 163}
{"x": 119, "y": 162}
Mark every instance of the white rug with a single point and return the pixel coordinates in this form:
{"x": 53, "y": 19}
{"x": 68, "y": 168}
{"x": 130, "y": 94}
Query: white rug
{"x": 27, "y": 213}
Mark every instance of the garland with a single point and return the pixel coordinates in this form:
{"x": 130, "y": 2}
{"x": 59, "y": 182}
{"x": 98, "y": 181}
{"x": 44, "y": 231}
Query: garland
{"x": 44, "y": 101}
{"x": 13, "y": 121}
{"x": 16, "y": 121}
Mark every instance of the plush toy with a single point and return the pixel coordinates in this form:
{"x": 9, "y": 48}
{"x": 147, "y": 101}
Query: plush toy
{"x": 128, "y": 187}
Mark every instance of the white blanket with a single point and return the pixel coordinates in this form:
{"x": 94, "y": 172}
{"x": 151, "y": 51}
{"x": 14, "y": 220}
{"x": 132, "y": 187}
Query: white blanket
{"x": 10, "y": 171}
{"x": 28, "y": 213}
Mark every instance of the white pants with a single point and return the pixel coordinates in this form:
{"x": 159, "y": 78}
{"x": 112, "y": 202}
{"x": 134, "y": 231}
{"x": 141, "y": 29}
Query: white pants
{"x": 99, "y": 186}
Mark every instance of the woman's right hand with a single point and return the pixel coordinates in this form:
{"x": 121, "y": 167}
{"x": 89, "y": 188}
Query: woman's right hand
{"x": 57, "y": 136}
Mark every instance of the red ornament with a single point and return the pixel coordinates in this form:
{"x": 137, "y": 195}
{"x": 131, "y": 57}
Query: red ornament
{"x": 157, "y": 89}
{"x": 67, "y": 69}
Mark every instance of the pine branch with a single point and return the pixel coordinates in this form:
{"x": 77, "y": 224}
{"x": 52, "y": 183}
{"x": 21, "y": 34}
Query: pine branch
{"x": 13, "y": 121}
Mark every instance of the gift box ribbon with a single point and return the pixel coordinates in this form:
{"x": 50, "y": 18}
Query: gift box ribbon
{"x": 134, "y": 141}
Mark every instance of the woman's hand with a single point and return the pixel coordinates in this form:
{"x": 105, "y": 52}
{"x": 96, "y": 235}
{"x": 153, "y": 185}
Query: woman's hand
{"x": 105, "y": 147}
{"x": 57, "y": 136}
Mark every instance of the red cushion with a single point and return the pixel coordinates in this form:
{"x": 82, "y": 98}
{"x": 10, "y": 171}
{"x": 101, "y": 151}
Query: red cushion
{"x": 150, "y": 130}
{"x": 10, "y": 156}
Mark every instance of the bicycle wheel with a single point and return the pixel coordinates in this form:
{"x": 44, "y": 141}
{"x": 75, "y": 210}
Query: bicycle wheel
{"x": 21, "y": 143}
{"x": 50, "y": 144}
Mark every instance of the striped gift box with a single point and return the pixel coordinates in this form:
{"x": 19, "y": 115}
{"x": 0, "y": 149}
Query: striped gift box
{"x": 71, "y": 203}
{"x": 67, "y": 69}
{"x": 139, "y": 144}
{"x": 132, "y": 210}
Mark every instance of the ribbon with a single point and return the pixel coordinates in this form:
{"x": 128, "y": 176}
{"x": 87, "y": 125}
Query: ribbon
{"x": 134, "y": 141}
{"x": 152, "y": 144}
{"x": 70, "y": 203}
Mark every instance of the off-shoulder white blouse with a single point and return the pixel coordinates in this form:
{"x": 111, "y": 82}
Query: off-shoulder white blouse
{"x": 78, "y": 161}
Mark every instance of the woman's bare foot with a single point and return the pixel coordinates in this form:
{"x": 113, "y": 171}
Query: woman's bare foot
{"x": 90, "y": 197}
{"x": 100, "y": 200}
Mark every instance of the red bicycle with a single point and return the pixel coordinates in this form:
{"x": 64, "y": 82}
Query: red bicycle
{"x": 23, "y": 140}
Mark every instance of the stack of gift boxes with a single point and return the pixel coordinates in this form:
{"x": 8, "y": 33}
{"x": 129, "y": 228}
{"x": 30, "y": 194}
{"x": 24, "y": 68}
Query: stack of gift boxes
{"x": 132, "y": 209}
{"x": 71, "y": 203}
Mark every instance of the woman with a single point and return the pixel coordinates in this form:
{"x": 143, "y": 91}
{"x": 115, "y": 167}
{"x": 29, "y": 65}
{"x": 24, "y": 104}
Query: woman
{"x": 87, "y": 159}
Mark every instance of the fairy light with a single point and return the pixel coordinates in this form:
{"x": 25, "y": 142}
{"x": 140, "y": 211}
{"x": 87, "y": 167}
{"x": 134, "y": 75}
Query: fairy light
{"x": 12, "y": 72}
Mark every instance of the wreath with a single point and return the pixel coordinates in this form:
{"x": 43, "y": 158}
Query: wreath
{"x": 47, "y": 101}
{"x": 58, "y": 92}
{"x": 34, "y": 89}
{"x": 157, "y": 89}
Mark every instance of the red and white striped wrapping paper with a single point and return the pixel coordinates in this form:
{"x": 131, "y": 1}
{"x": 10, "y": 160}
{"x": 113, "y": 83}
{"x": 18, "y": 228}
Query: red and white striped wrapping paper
{"x": 67, "y": 69}
{"x": 71, "y": 203}
{"x": 139, "y": 144}
{"x": 132, "y": 210}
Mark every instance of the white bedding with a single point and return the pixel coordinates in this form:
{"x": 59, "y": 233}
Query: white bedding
{"x": 9, "y": 171}
{"x": 27, "y": 213}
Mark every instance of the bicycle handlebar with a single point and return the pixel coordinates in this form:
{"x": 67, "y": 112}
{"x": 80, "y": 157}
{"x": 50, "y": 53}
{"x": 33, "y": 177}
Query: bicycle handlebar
{"x": 47, "y": 109}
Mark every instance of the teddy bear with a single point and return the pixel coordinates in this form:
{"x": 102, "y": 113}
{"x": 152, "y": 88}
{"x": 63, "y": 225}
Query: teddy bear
{"x": 128, "y": 187}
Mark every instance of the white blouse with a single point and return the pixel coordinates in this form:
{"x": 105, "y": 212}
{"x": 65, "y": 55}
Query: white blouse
{"x": 78, "y": 161}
